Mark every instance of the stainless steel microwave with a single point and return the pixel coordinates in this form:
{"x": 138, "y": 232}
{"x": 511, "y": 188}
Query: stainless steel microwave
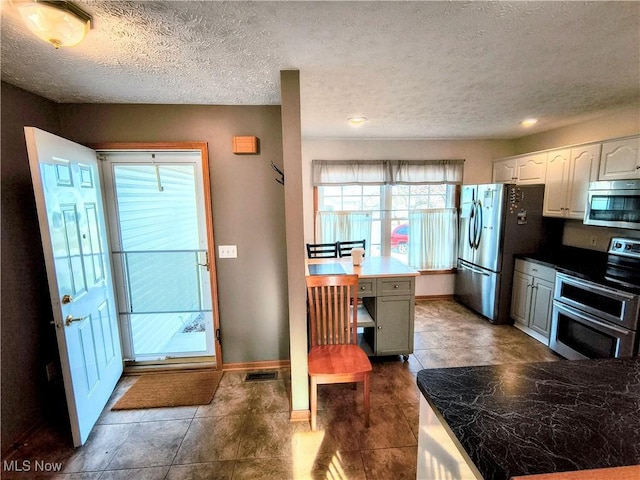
{"x": 614, "y": 204}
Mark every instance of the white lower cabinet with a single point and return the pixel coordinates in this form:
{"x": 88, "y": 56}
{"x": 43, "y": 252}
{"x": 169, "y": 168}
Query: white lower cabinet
{"x": 532, "y": 299}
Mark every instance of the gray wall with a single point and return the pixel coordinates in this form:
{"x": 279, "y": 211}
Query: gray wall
{"x": 28, "y": 341}
{"x": 248, "y": 211}
{"x": 248, "y": 207}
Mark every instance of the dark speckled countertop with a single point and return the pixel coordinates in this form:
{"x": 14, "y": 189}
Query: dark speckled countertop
{"x": 536, "y": 418}
{"x": 579, "y": 262}
{"x": 587, "y": 264}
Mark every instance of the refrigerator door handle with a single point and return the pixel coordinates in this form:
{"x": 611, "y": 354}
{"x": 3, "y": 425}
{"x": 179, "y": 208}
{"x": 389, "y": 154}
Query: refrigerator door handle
{"x": 474, "y": 270}
{"x": 480, "y": 225}
{"x": 471, "y": 232}
{"x": 475, "y": 225}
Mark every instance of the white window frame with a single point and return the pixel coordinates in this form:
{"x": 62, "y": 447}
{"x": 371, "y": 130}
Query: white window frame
{"x": 385, "y": 215}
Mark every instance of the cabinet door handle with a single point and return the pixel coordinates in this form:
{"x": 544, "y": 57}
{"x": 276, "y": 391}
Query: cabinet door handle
{"x": 396, "y": 286}
{"x": 379, "y": 328}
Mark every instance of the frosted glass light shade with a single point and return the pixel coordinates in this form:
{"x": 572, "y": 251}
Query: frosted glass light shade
{"x": 356, "y": 121}
{"x": 59, "y": 23}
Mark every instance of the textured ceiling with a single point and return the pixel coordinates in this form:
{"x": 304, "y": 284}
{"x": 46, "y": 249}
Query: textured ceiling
{"x": 415, "y": 69}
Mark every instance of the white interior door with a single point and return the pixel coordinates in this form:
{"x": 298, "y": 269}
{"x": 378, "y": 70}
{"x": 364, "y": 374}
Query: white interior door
{"x": 68, "y": 196}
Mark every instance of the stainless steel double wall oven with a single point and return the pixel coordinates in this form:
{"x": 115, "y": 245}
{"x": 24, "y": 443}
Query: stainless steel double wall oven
{"x": 597, "y": 315}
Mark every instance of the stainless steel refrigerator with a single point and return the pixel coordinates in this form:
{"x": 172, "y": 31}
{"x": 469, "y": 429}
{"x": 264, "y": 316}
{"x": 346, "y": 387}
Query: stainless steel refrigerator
{"x": 497, "y": 221}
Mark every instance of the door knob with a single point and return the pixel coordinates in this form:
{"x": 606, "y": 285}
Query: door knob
{"x": 67, "y": 299}
{"x": 70, "y": 319}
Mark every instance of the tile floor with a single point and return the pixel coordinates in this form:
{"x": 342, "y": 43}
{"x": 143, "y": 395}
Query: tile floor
{"x": 245, "y": 432}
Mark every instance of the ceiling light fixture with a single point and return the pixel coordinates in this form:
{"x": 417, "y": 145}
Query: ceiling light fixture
{"x": 356, "y": 121}
{"x": 529, "y": 122}
{"x": 58, "y": 22}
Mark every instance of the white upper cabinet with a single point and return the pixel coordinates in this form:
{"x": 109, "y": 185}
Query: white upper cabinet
{"x": 620, "y": 159}
{"x": 532, "y": 169}
{"x": 504, "y": 171}
{"x": 525, "y": 170}
{"x": 556, "y": 183}
{"x": 569, "y": 172}
{"x": 582, "y": 170}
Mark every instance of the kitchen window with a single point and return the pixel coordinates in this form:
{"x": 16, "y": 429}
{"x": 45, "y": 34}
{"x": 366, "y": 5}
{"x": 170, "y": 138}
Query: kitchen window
{"x": 403, "y": 209}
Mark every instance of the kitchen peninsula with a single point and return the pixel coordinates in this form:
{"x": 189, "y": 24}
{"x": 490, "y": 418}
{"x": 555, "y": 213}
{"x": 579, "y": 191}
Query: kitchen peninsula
{"x": 387, "y": 289}
{"x": 525, "y": 419}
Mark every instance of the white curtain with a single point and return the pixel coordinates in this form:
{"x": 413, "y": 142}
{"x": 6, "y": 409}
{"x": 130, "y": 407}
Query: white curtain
{"x": 343, "y": 226}
{"x": 433, "y": 239}
{"x": 427, "y": 172}
{"x": 349, "y": 172}
{"x": 386, "y": 172}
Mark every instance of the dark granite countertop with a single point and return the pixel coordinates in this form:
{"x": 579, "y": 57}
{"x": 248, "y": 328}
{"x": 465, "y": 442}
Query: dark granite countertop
{"x": 536, "y": 418}
{"x": 588, "y": 264}
{"x": 578, "y": 262}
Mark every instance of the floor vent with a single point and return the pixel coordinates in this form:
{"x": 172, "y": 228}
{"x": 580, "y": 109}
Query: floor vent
{"x": 260, "y": 376}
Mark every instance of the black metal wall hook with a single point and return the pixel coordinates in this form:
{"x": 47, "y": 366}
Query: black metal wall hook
{"x": 280, "y": 172}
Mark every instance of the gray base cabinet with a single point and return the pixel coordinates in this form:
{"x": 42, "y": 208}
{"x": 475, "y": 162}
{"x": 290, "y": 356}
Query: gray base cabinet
{"x": 390, "y": 303}
{"x": 532, "y": 299}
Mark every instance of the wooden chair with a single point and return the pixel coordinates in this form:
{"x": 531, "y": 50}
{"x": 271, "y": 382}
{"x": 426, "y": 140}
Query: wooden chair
{"x": 344, "y": 248}
{"x": 322, "y": 250}
{"x": 335, "y": 356}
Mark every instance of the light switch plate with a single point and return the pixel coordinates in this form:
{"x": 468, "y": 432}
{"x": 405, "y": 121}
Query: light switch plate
{"x": 227, "y": 251}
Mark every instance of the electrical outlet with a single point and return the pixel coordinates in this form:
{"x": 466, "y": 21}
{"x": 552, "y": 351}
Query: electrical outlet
{"x": 593, "y": 241}
{"x": 227, "y": 251}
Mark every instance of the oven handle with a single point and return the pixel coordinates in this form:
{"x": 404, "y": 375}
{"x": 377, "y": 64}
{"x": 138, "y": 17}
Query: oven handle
{"x": 589, "y": 318}
{"x": 616, "y": 294}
